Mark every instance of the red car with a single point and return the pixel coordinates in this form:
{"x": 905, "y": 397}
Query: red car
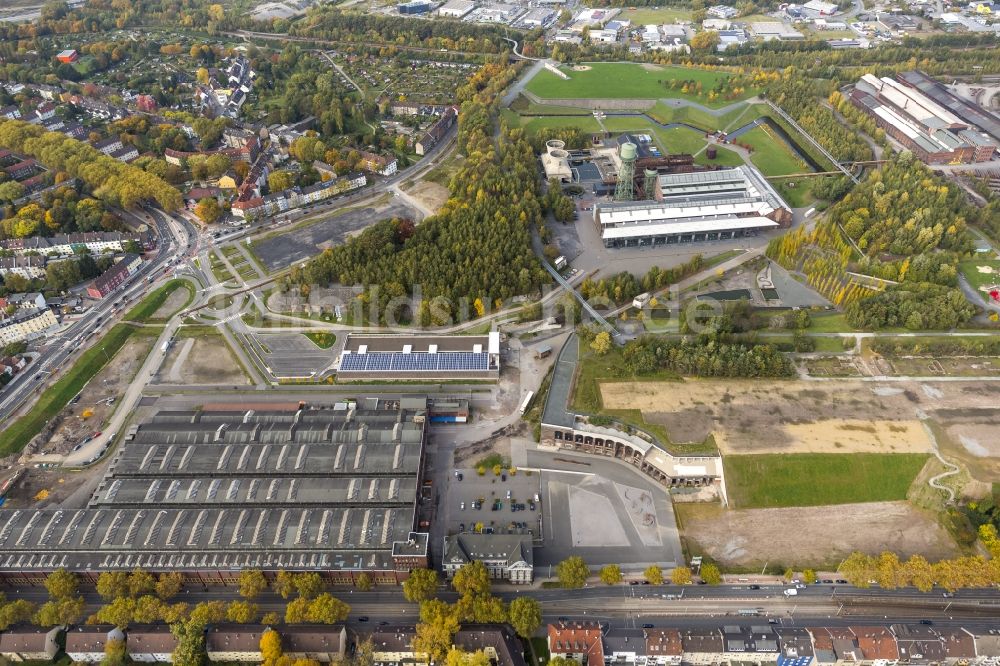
{"x": 98, "y": 433}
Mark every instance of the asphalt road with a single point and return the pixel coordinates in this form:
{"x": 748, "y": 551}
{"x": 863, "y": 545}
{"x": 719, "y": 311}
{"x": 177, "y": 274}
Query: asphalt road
{"x": 690, "y": 606}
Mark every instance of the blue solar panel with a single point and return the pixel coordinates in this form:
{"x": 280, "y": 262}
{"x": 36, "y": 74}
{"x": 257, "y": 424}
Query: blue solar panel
{"x": 415, "y": 362}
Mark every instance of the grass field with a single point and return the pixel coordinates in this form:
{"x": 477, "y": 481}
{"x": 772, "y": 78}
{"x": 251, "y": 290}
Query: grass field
{"x": 979, "y": 279}
{"x": 532, "y": 125}
{"x": 15, "y": 436}
{"x": 626, "y": 81}
{"x": 815, "y": 479}
{"x": 149, "y": 305}
{"x": 771, "y": 154}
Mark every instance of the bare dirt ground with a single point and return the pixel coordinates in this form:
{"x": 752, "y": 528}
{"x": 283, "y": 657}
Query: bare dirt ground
{"x": 208, "y": 361}
{"x": 430, "y": 194}
{"x": 823, "y": 535}
{"x": 175, "y": 300}
{"x": 110, "y": 382}
{"x": 840, "y": 416}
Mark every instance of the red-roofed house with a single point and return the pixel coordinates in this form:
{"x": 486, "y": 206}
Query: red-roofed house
{"x": 580, "y": 641}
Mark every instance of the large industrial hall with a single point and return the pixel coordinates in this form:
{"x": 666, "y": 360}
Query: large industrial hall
{"x": 696, "y": 206}
{"x": 211, "y": 491}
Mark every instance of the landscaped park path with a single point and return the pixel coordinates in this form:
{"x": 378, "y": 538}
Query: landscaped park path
{"x": 935, "y": 481}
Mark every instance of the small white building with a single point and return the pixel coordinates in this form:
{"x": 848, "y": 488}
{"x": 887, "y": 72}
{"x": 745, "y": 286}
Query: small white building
{"x": 820, "y": 7}
{"x": 603, "y": 36}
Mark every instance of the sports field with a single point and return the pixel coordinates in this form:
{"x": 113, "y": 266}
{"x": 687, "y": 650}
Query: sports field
{"x": 626, "y": 81}
{"x": 815, "y": 479}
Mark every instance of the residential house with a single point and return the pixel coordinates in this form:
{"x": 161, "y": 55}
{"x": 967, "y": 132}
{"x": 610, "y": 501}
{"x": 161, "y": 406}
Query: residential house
{"x": 702, "y": 645}
{"x": 228, "y": 180}
{"x": 960, "y": 644}
{"x": 437, "y": 131}
{"x": 11, "y": 365}
{"x": 110, "y": 145}
{"x": 22, "y": 169}
{"x": 45, "y": 111}
{"x": 876, "y": 643}
{"x": 394, "y": 645}
{"x": 150, "y": 644}
{"x": 579, "y": 641}
{"x": 29, "y": 643}
{"x": 663, "y": 647}
{"x": 68, "y": 56}
{"x": 380, "y": 164}
{"x": 987, "y": 641}
{"x": 114, "y": 277}
{"x": 196, "y": 194}
{"x": 126, "y": 153}
{"x": 12, "y": 112}
{"x": 624, "y": 647}
{"x": 919, "y": 644}
{"x": 26, "y": 325}
{"x": 323, "y": 643}
{"x": 85, "y": 643}
{"x": 29, "y": 267}
{"x": 506, "y": 556}
{"x": 25, "y": 301}
{"x": 795, "y": 646}
{"x": 234, "y": 642}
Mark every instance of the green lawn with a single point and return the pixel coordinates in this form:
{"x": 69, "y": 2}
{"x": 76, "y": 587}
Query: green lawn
{"x": 834, "y": 322}
{"x": 149, "y": 305}
{"x": 675, "y": 140}
{"x": 321, "y": 339}
{"x": 977, "y": 278}
{"x": 816, "y": 479}
{"x": 626, "y": 81}
{"x": 16, "y": 435}
{"x": 533, "y": 124}
{"x": 771, "y": 154}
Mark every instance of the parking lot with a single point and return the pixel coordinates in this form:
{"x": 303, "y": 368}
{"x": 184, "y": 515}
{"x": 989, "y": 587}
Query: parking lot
{"x": 284, "y": 249}
{"x": 502, "y": 504}
{"x": 295, "y": 355}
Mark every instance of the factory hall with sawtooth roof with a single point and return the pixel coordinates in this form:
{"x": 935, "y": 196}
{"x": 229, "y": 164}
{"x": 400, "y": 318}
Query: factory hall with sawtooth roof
{"x": 210, "y": 492}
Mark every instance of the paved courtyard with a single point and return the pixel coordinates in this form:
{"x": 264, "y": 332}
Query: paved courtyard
{"x": 604, "y": 511}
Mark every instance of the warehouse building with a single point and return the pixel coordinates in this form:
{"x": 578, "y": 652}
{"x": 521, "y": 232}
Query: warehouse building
{"x": 209, "y": 492}
{"x": 931, "y": 131}
{"x": 403, "y": 357}
{"x": 698, "y": 206}
{"x": 456, "y": 8}
{"x": 973, "y": 114}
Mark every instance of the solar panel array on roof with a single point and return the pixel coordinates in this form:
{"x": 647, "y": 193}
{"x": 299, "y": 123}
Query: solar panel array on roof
{"x": 415, "y": 362}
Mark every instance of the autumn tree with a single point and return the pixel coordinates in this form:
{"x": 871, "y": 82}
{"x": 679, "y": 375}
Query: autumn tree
{"x": 252, "y": 583}
{"x": 168, "y": 585}
{"x": 525, "y": 615}
{"x": 208, "y": 210}
{"x": 710, "y": 574}
{"x": 601, "y": 343}
{"x": 611, "y": 574}
{"x": 681, "y": 576}
{"x": 472, "y": 578}
{"x": 436, "y": 629}
{"x": 572, "y": 572}
{"x": 421, "y": 585}
{"x": 270, "y": 646}
{"x": 112, "y": 585}
{"x": 62, "y": 584}
{"x": 242, "y": 612}
{"x": 705, "y": 40}
{"x": 653, "y": 575}
{"x": 458, "y": 657}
